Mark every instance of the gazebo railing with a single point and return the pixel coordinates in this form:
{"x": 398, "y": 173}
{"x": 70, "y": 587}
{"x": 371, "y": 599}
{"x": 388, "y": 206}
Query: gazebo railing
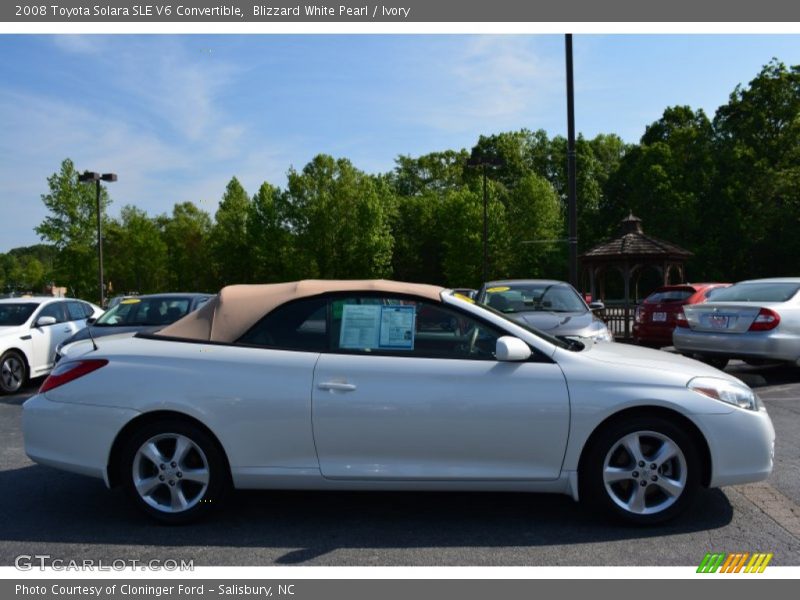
{"x": 615, "y": 315}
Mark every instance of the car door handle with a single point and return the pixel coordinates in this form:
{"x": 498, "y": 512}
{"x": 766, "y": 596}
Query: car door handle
{"x": 336, "y": 386}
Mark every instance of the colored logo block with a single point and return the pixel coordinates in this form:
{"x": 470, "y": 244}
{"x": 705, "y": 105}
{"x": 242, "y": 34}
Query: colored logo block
{"x": 737, "y": 562}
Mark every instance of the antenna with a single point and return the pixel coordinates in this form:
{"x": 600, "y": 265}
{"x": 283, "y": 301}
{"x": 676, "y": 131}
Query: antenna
{"x": 89, "y": 331}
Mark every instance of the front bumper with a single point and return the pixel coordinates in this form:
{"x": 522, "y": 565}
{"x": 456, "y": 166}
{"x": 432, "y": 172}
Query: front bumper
{"x": 742, "y": 445}
{"x": 72, "y": 437}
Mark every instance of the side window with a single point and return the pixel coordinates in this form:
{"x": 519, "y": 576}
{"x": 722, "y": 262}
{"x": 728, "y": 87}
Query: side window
{"x": 300, "y": 325}
{"x": 75, "y": 310}
{"x": 401, "y": 327}
{"x": 55, "y": 309}
{"x": 88, "y": 311}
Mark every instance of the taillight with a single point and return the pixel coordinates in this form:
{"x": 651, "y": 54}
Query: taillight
{"x": 680, "y": 319}
{"x": 765, "y": 320}
{"x": 638, "y": 314}
{"x": 69, "y": 371}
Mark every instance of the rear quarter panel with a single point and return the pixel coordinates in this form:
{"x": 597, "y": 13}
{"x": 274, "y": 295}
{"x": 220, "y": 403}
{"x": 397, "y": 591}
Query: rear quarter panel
{"x": 256, "y": 401}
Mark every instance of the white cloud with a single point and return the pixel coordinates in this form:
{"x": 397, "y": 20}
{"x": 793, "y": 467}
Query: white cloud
{"x": 494, "y": 81}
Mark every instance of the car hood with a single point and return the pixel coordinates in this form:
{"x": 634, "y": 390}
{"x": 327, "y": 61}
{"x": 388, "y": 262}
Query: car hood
{"x": 555, "y": 323}
{"x": 638, "y": 357}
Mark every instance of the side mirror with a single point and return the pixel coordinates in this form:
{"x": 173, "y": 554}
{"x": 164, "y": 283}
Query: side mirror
{"x": 91, "y": 320}
{"x": 45, "y": 321}
{"x": 597, "y": 305}
{"x": 512, "y": 349}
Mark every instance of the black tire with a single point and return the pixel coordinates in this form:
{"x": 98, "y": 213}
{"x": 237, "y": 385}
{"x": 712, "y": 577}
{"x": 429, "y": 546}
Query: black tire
{"x": 606, "y": 448}
{"x": 173, "y": 476}
{"x": 718, "y": 362}
{"x": 13, "y": 372}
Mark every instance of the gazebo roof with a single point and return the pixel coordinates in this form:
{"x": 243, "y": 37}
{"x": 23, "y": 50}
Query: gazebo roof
{"x": 632, "y": 242}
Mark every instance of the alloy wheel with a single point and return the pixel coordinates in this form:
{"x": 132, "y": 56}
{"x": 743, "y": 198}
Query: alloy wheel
{"x": 645, "y": 472}
{"x": 170, "y": 473}
{"x": 12, "y": 373}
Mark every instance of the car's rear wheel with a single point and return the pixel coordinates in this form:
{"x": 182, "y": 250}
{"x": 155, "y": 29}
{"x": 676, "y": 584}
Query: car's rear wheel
{"x": 174, "y": 471}
{"x": 13, "y": 372}
{"x": 644, "y": 470}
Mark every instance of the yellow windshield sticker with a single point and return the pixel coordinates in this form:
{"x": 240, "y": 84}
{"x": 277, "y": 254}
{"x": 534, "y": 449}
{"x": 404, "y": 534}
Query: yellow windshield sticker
{"x": 131, "y": 301}
{"x": 501, "y": 288}
{"x": 463, "y": 297}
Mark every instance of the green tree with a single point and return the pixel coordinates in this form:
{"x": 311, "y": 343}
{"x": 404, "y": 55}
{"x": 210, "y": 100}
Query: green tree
{"x": 186, "y": 234}
{"x": 534, "y": 215}
{"x": 230, "y": 251}
{"x": 340, "y": 217}
{"x": 462, "y": 238}
{"x": 755, "y": 208}
{"x": 136, "y": 254}
{"x": 71, "y": 227}
{"x": 436, "y": 173}
{"x": 271, "y": 242}
{"x": 666, "y": 180}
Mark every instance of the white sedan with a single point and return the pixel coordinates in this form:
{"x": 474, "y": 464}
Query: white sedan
{"x": 30, "y": 329}
{"x": 380, "y": 385}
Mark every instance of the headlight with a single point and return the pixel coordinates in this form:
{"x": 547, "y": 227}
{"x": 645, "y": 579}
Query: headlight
{"x": 733, "y": 393}
{"x": 603, "y": 334}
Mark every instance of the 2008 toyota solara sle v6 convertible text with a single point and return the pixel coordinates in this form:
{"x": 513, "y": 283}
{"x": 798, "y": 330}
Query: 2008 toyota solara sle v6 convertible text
{"x": 382, "y": 385}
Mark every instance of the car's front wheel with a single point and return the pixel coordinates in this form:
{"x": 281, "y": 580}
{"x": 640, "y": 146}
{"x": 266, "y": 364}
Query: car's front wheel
{"x": 644, "y": 470}
{"x": 174, "y": 471}
{"x": 13, "y": 372}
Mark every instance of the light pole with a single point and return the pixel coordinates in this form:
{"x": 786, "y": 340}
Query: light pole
{"x": 478, "y": 159}
{"x": 572, "y": 211}
{"x": 97, "y": 178}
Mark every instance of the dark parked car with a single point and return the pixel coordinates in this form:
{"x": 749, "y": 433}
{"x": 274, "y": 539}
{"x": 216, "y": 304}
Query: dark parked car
{"x": 138, "y": 313}
{"x": 655, "y": 316}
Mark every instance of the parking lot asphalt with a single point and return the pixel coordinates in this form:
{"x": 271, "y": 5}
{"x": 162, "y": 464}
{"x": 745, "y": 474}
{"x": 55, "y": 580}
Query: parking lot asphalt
{"x": 70, "y": 517}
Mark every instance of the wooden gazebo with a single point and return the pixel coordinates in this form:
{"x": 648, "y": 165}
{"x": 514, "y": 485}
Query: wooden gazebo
{"x": 630, "y": 254}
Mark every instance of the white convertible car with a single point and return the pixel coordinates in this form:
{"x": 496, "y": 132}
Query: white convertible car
{"x": 381, "y": 385}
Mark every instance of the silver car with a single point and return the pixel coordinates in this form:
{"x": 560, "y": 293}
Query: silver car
{"x": 757, "y": 321}
{"x": 548, "y": 305}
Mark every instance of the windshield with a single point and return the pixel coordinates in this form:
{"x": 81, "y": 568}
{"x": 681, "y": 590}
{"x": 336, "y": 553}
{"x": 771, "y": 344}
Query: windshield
{"x": 757, "y": 292}
{"x": 556, "y": 341}
{"x": 16, "y": 314}
{"x": 534, "y": 297}
{"x": 145, "y": 312}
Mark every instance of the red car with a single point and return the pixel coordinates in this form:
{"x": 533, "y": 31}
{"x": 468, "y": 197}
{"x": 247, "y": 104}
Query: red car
{"x": 655, "y": 316}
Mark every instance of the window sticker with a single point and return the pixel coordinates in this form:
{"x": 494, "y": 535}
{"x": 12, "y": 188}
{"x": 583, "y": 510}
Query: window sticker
{"x": 397, "y": 327}
{"x": 360, "y": 326}
{"x": 368, "y": 326}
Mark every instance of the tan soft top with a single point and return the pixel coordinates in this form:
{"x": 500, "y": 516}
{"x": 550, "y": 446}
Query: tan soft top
{"x": 232, "y": 312}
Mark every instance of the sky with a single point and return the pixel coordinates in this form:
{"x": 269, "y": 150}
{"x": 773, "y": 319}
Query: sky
{"x": 176, "y": 116}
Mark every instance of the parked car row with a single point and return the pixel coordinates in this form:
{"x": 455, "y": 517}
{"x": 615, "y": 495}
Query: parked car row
{"x": 756, "y": 321}
{"x": 657, "y": 315}
{"x": 133, "y": 314}
{"x": 35, "y": 332}
{"x": 30, "y": 330}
